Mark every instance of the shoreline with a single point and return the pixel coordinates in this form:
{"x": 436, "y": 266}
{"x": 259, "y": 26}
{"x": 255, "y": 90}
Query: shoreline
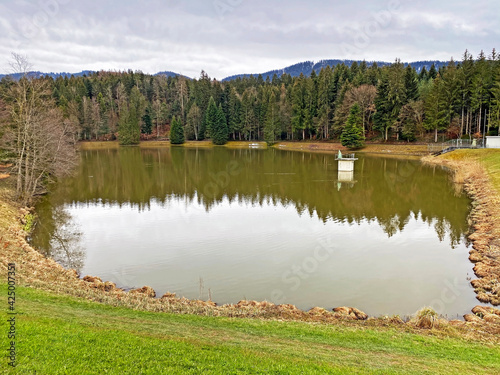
{"x": 34, "y": 270}
{"x": 386, "y": 149}
{"x": 470, "y": 172}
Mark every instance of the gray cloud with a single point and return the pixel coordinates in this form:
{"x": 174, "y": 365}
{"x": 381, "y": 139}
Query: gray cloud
{"x": 225, "y": 37}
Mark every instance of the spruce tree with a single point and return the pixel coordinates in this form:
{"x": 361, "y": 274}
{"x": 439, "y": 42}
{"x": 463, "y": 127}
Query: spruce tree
{"x": 219, "y": 132}
{"x": 210, "y": 118}
{"x": 423, "y": 75}
{"x": 411, "y": 83}
{"x": 176, "y": 132}
{"x": 433, "y": 72}
{"x": 129, "y": 132}
{"x": 438, "y": 108}
{"x": 352, "y": 136}
{"x": 147, "y": 122}
{"x": 271, "y": 124}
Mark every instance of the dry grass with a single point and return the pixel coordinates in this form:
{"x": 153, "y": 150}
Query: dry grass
{"x": 98, "y": 145}
{"x": 426, "y": 318}
{"x": 4, "y": 171}
{"x": 244, "y": 144}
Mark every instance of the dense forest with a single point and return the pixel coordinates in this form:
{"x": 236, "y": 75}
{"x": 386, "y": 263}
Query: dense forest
{"x": 392, "y": 102}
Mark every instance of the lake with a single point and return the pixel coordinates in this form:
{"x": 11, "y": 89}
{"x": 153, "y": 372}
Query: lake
{"x": 264, "y": 224}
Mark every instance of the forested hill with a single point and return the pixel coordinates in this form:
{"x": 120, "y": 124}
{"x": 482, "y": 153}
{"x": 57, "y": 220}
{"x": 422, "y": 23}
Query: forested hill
{"x": 388, "y": 101}
{"x": 307, "y": 67}
{"x": 295, "y": 70}
{"x": 80, "y": 74}
{"x": 51, "y": 75}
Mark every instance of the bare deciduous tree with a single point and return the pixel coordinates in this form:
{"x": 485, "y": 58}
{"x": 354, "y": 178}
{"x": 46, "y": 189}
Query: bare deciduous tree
{"x": 364, "y": 95}
{"x": 36, "y": 133}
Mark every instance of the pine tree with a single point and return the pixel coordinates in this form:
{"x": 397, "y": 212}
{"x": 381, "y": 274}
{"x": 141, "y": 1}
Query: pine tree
{"x": 271, "y": 125}
{"x": 424, "y": 75}
{"x": 438, "y": 107}
{"x": 300, "y": 112}
{"x": 234, "y": 113}
{"x": 129, "y": 125}
{"x": 219, "y": 131}
{"x": 411, "y": 83}
{"x": 352, "y": 135}
{"x": 210, "y": 118}
{"x": 391, "y": 96}
{"x": 176, "y": 132}
{"x": 433, "y": 72}
{"x": 147, "y": 122}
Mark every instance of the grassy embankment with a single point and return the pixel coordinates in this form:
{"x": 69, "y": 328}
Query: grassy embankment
{"x": 69, "y": 326}
{"x": 64, "y": 335}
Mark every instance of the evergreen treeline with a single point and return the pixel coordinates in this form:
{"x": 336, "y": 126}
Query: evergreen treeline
{"x": 393, "y": 102}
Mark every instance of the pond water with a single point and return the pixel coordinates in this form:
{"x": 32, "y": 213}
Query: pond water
{"x": 264, "y": 225}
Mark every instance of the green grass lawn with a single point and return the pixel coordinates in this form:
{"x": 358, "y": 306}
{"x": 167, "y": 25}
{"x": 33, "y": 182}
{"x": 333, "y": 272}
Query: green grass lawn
{"x": 63, "y": 335}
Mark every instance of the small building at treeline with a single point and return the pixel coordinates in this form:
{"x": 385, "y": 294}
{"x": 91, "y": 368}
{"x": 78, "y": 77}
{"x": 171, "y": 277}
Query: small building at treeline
{"x": 493, "y": 142}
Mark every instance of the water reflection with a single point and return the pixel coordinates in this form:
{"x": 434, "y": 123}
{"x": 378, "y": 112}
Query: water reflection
{"x": 240, "y": 219}
{"x": 59, "y": 237}
{"x": 386, "y": 191}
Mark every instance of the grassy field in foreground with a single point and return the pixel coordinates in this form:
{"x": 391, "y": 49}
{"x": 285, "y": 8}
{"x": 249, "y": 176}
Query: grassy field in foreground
{"x": 63, "y": 335}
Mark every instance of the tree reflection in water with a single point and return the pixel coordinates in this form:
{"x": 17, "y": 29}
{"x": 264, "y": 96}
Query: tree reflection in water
{"x": 57, "y": 236}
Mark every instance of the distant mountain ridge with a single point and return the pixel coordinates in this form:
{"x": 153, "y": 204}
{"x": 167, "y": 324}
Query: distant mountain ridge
{"x": 37, "y": 74}
{"x": 305, "y": 68}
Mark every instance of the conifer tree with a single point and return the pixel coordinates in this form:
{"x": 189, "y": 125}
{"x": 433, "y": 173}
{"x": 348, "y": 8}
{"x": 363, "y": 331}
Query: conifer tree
{"x": 411, "y": 83}
{"x": 271, "y": 125}
{"x": 210, "y": 118}
{"x": 147, "y": 122}
{"x": 129, "y": 127}
{"x": 219, "y": 131}
{"x": 423, "y": 75}
{"x": 437, "y": 108}
{"x": 176, "y": 132}
{"x": 352, "y": 136}
{"x": 433, "y": 72}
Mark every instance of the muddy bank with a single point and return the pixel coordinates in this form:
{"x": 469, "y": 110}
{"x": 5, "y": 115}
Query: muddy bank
{"x": 484, "y": 220}
{"x": 386, "y": 149}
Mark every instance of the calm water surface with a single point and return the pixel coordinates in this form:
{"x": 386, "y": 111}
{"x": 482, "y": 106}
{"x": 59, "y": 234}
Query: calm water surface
{"x": 264, "y": 225}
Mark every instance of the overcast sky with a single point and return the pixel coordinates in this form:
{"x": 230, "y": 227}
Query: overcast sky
{"x": 226, "y": 37}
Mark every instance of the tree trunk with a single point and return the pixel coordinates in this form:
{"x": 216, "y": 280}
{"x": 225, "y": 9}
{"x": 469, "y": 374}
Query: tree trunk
{"x": 479, "y": 121}
{"x": 462, "y": 125}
